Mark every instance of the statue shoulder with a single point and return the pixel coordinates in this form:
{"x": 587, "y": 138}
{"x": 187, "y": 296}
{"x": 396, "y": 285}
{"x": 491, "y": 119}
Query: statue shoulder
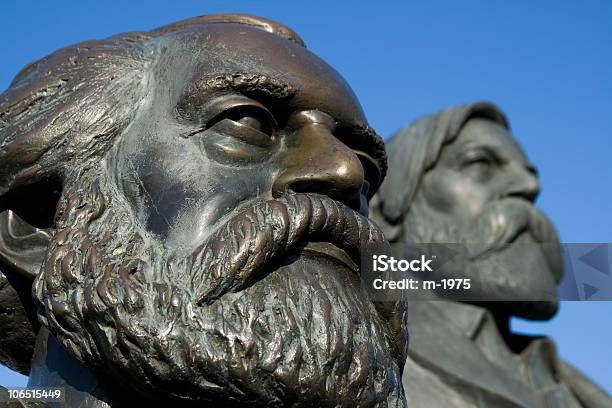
{"x": 426, "y": 389}
{"x": 585, "y": 390}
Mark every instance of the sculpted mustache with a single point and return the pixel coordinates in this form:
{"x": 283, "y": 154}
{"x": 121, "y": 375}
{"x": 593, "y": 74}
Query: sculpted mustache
{"x": 502, "y": 222}
{"x": 232, "y": 257}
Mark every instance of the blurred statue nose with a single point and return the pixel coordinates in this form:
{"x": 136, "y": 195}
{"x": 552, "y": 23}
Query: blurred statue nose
{"x": 317, "y": 162}
{"x": 524, "y": 183}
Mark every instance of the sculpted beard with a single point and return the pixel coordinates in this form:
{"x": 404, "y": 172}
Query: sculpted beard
{"x": 221, "y": 323}
{"x": 494, "y": 230}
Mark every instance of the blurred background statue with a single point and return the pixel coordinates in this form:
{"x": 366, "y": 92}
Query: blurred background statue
{"x": 459, "y": 177}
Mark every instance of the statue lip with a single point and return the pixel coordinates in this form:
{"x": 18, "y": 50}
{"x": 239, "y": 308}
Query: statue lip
{"x": 330, "y": 250}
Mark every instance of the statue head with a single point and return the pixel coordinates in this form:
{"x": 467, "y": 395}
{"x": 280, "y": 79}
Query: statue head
{"x": 459, "y": 177}
{"x": 204, "y": 186}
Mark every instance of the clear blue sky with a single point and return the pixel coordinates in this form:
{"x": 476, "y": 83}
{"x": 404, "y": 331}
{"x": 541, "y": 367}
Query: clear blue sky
{"x": 548, "y": 64}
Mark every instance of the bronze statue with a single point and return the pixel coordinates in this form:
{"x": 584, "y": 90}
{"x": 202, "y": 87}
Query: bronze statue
{"x": 189, "y": 206}
{"x": 458, "y": 176}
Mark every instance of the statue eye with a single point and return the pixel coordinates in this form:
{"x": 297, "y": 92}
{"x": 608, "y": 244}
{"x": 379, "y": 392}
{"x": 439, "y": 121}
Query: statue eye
{"x": 254, "y": 116}
{"x": 479, "y": 162}
{"x": 250, "y": 123}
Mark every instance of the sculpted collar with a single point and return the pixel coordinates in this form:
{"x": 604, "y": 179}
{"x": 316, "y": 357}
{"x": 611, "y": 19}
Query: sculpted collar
{"x": 479, "y": 357}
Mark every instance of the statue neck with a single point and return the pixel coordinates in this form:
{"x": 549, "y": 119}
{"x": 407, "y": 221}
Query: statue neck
{"x": 53, "y": 366}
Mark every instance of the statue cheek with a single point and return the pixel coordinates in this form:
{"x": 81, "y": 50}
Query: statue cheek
{"x": 199, "y": 219}
{"x": 453, "y": 193}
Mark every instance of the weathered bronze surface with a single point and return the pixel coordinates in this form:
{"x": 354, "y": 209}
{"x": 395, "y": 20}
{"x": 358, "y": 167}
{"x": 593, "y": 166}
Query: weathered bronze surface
{"x": 189, "y": 205}
{"x": 458, "y": 176}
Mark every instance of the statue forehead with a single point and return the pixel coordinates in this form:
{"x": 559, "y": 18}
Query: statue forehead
{"x": 485, "y": 134}
{"x": 221, "y": 49}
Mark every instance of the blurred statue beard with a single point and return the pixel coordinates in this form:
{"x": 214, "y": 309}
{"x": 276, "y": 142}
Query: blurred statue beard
{"x": 510, "y": 252}
{"x": 247, "y": 319}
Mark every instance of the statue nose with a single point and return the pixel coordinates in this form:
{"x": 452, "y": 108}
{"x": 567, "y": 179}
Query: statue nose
{"x": 317, "y": 162}
{"x": 524, "y": 183}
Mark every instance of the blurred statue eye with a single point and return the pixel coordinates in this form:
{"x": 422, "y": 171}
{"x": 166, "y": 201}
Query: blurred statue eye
{"x": 482, "y": 162}
{"x": 478, "y": 164}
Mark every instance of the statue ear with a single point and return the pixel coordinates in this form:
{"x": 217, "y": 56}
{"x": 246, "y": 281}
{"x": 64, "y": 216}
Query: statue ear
{"x": 24, "y": 239}
{"x": 22, "y": 246}
{"x": 27, "y": 215}
{"x": 392, "y": 230}
{"x": 393, "y": 233}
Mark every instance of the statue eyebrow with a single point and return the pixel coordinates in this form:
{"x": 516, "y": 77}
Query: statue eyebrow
{"x": 250, "y": 83}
